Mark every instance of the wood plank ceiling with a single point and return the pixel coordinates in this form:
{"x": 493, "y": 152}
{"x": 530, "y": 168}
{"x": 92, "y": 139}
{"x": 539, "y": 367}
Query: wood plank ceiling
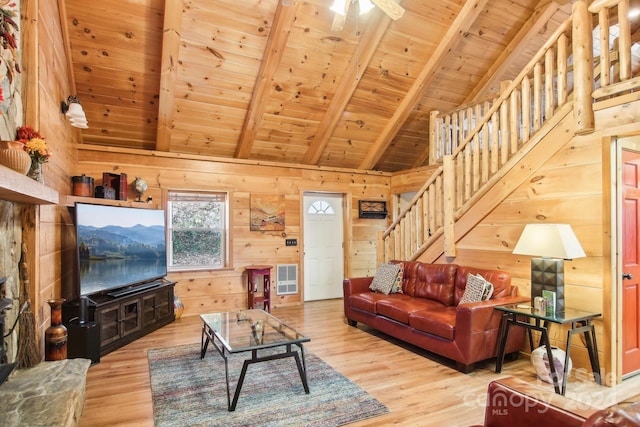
{"x": 255, "y": 79}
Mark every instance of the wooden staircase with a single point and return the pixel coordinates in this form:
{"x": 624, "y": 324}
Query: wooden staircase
{"x": 487, "y": 150}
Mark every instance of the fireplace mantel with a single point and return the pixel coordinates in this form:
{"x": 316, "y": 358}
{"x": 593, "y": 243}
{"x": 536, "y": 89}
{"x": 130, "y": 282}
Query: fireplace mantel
{"x": 15, "y": 187}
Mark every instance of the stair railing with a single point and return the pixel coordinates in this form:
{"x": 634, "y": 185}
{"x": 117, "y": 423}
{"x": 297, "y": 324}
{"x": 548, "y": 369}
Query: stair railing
{"x": 503, "y": 128}
{"x": 475, "y": 141}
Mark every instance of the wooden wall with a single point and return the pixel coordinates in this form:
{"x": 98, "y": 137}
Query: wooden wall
{"x": 205, "y": 291}
{"x": 48, "y": 82}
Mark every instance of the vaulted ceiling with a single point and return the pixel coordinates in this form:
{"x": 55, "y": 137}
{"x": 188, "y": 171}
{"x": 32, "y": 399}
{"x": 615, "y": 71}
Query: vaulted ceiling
{"x": 261, "y": 80}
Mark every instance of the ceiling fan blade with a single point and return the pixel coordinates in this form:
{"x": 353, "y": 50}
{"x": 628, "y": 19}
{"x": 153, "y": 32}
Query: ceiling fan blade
{"x": 338, "y": 22}
{"x": 390, "y": 7}
{"x": 340, "y": 18}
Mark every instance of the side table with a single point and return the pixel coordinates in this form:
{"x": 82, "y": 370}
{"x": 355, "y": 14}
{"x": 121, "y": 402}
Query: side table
{"x": 579, "y": 321}
{"x": 255, "y": 294}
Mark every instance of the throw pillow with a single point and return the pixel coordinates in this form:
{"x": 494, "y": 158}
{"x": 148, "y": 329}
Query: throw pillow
{"x": 477, "y": 289}
{"x": 397, "y": 286}
{"x": 474, "y": 289}
{"x": 385, "y": 278}
{"x": 488, "y": 289}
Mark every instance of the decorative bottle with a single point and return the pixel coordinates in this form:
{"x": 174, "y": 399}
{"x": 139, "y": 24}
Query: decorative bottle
{"x": 56, "y": 335}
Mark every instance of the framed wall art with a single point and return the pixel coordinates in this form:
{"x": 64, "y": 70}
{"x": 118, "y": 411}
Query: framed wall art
{"x": 266, "y": 212}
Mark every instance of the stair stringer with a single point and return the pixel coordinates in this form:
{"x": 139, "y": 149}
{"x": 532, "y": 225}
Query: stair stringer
{"x": 553, "y": 135}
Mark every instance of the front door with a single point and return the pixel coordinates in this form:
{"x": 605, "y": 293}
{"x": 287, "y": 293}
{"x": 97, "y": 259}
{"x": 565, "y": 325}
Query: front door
{"x": 630, "y": 262}
{"x": 323, "y": 246}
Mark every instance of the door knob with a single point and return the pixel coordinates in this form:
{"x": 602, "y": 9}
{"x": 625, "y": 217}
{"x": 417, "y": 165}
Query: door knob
{"x": 627, "y": 276}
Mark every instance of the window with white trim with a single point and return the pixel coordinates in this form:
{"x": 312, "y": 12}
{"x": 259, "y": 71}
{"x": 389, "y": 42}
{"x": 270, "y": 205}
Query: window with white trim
{"x": 197, "y": 227}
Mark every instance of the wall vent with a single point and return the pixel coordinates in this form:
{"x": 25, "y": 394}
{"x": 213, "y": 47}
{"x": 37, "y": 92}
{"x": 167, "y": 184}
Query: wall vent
{"x": 287, "y": 279}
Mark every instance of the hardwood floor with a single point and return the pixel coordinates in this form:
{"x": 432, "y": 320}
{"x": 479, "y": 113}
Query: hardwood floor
{"x": 419, "y": 388}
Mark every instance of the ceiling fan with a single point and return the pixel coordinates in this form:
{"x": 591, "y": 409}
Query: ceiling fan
{"x": 341, "y": 8}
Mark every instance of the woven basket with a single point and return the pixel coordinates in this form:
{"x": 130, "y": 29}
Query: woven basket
{"x": 13, "y": 156}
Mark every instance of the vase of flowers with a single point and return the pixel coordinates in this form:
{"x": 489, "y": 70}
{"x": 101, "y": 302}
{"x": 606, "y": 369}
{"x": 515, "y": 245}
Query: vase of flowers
{"x": 38, "y": 150}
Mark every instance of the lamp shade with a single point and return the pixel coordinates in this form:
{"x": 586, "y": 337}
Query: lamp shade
{"x": 549, "y": 240}
{"x": 75, "y": 110}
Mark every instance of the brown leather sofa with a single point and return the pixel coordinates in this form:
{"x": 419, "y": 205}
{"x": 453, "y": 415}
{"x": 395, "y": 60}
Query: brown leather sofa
{"x": 428, "y": 314}
{"x": 513, "y": 402}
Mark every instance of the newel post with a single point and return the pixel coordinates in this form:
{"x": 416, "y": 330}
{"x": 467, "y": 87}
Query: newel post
{"x": 449, "y": 190}
{"x": 583, "y": 68}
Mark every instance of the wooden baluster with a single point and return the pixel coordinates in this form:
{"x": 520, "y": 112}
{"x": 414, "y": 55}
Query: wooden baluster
{"x": 562, "y": 70}
{"x": 624, "y": 46}
{"x": 605, "y": 60}
{"x": 549, "y": 99}
{"x": 526, "y": 109}
{"x": 537, "y": 96}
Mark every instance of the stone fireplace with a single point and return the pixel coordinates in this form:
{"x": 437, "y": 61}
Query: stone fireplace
{"x": 5, "y": 367}
{"x": 10, "y": 290}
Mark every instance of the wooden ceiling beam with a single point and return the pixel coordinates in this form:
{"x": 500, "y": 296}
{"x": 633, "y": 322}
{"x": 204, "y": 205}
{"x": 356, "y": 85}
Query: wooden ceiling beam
{"x": 274, "y": 51}
{"x": 459, "y": 27}
{"x": 371, "y": 36}
{"x": 530, "y": 30}
{"x": 172, "y": 27}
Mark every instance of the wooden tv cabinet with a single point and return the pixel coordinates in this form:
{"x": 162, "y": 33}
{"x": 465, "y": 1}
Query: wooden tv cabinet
{"x": 127, "y": 316}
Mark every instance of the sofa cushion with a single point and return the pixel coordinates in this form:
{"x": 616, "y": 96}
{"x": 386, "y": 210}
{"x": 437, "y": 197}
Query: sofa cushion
{"x": 477, "y": 289}
{"x": 365, "y": 301}
{"x": 399, "y": 306}
{"x": 385, "y": 278}
{"x": 436, "y": 282}
{"x": 439, "y": 321}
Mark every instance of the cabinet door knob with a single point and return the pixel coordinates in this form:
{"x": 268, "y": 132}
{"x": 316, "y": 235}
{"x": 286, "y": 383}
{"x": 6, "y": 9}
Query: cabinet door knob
{"x": 627, "y": 276}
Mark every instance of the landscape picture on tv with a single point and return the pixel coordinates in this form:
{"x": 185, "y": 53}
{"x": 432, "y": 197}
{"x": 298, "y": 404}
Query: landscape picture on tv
{"x": 119, "y": 246}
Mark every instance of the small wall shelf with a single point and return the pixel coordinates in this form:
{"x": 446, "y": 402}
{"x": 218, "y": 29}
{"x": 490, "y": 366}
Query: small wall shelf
{"x": 15, "y": 187}
{"x": 71, "y": 201}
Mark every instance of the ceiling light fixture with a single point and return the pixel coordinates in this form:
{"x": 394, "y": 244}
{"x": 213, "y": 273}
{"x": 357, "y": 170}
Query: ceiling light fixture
{"x": 74, "y": 112}
{"x": 341, "y": 6}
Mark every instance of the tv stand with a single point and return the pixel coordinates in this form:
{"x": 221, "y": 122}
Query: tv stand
{"x": 127, "y": 314}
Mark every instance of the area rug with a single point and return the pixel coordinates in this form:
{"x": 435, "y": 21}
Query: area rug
{"x": 187, "y": 390}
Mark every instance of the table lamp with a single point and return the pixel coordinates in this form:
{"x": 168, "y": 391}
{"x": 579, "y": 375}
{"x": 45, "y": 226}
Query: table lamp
{"x": 551, "y": 244}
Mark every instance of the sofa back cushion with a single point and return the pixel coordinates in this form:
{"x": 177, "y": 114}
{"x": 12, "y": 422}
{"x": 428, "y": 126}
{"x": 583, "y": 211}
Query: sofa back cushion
{"x": 501, "y": 281}
{"x": 433, "y": 281}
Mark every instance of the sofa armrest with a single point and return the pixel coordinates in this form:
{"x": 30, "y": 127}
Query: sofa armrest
{"x": 481, "y": 316}
{"x": 514, "y": 402}
{"x": 354, "y": 285}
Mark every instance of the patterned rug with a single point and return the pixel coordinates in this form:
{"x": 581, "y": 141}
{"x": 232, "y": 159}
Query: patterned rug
{"x": 189, "y": 391}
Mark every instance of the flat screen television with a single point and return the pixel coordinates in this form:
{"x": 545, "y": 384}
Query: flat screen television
{"x": 118, "y": 247}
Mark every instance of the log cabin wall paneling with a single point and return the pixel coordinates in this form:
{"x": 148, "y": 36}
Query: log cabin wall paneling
{"x": 47, "y": 81}
{"x": 205, "y": 291}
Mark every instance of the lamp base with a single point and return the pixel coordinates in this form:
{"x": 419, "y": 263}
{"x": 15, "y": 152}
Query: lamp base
{"x": 547, "y": 274}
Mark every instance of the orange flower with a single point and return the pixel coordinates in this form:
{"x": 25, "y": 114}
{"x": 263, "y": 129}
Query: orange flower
{"x": 34, "y": 144}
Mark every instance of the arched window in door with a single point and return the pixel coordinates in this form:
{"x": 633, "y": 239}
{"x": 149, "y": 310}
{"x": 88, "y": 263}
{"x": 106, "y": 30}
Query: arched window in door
{"x": 320, "y": 207}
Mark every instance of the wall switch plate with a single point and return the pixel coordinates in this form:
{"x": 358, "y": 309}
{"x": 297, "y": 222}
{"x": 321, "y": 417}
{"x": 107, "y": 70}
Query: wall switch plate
{"x": 291, "y": 242}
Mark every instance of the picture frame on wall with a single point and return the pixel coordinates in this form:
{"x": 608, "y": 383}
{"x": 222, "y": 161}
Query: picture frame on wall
{"x": 266, "y": 212}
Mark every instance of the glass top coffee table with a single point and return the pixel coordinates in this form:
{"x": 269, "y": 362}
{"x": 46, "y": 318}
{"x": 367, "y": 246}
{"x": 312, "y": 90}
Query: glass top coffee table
{"x": 251, "y": 331}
